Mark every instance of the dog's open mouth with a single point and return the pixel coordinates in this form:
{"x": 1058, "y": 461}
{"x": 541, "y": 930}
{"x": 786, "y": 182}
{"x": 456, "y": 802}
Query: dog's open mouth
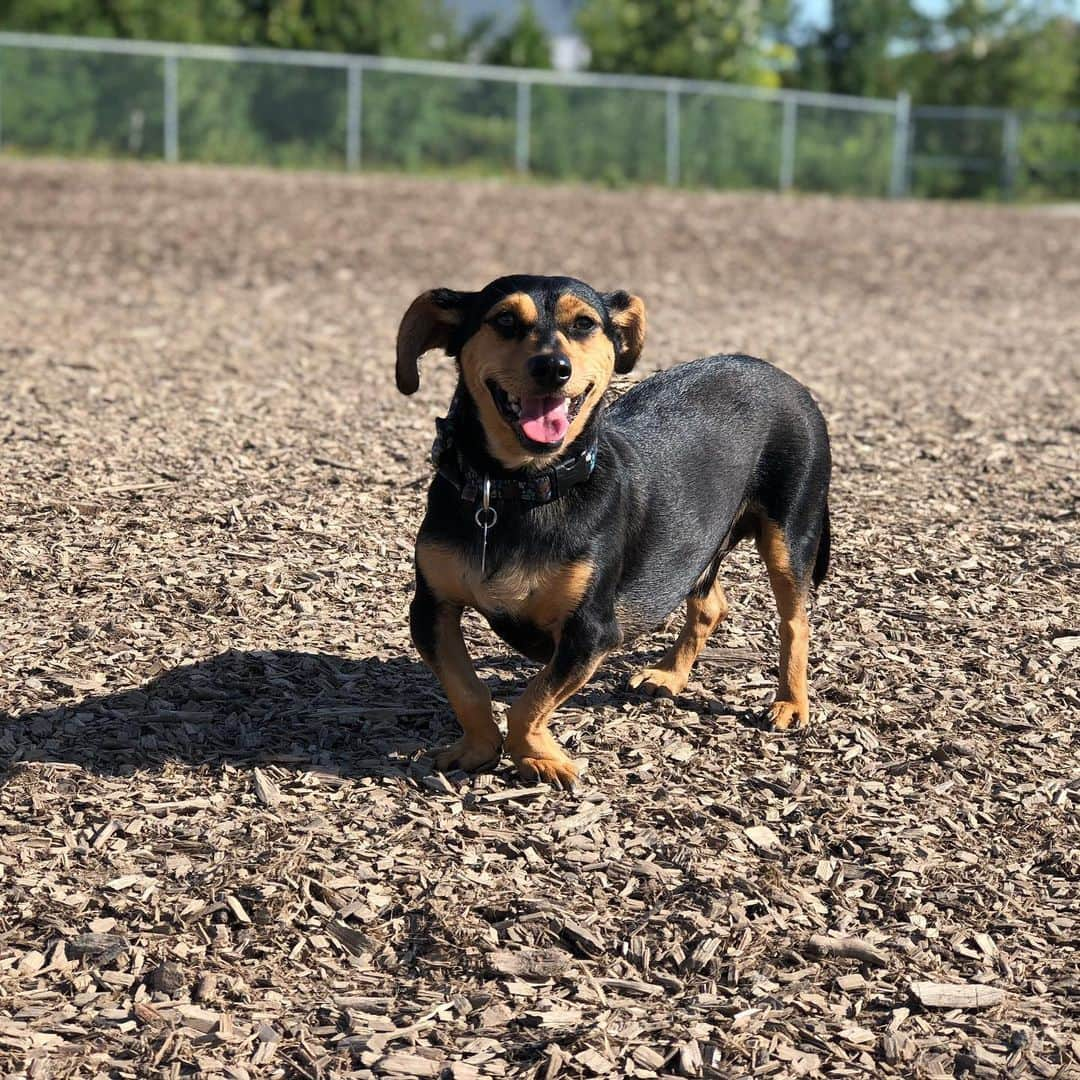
{"x": 541, "y": 421}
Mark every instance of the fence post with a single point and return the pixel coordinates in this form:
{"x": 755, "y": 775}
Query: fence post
{"x": 898, "y": 178}
{"x": 354, "y": 106}
{"x": 673, "y": 147}
{"x": 1010, "y": 145}
{"x": 172, "y": 111}
{"x": 909, "y": 150}
{"x": 523, "y": 129}
{"x": 788, "y": 130}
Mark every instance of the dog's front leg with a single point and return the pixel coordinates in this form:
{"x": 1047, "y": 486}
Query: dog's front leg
{"x": 582, "y": 645}
{"x": 436, "y": 632}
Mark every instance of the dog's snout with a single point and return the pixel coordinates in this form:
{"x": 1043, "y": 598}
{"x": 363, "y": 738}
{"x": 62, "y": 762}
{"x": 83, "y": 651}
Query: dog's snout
{"x": 550, "y": 370}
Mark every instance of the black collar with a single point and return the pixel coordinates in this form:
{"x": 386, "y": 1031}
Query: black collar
{"x": 534, "y": 487}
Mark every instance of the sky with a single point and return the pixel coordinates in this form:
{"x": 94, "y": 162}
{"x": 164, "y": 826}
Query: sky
{"x": 816, "y": 12}
{"x": 558, "y": 15}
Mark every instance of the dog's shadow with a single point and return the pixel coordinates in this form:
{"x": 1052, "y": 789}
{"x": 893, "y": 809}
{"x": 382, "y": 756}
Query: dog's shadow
{"x": 355, "y": 717}
{"x": 352, "y": 717}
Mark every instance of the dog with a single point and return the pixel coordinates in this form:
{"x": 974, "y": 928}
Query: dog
{"x": 573, "y": 525}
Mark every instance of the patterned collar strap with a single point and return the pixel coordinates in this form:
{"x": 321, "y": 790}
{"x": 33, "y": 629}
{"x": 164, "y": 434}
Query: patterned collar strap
{"x": 528, "y": 487}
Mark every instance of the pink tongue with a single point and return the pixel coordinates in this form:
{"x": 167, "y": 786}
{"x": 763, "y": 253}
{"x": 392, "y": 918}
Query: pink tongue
{"x": 544, "y": 419}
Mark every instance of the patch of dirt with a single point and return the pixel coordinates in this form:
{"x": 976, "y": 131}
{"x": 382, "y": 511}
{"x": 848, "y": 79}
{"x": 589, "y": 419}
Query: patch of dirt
{"x": 223, "y": 851}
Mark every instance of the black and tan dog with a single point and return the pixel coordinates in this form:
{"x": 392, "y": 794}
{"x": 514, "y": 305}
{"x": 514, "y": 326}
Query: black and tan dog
{"x": 573, "y": 527}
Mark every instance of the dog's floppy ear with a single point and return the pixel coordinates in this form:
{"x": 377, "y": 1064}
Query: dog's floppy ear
{"x": 429, "y": 323}
{"x": 628, "y": 315}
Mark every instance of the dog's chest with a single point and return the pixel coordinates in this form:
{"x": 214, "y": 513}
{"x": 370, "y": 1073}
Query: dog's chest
{"x": 541, "y": 595}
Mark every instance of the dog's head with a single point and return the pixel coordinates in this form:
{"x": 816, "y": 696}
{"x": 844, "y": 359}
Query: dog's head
{"x": 535, "y": 354}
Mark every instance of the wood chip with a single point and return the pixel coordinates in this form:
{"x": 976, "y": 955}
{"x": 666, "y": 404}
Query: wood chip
{"x": 31, "y": 962}
{"x": 689, "y": 1062}
{"x": 200, "y": 1019}
{"x": 529, "y": 963}
{"x": 409, "y": 1065}
{"x": 956, "y": 995}
{"x": 850, "y": 948}
{"x": 99, "y": 947}
{"x": 237, "y": 909}
{"x": 147, "y": 1013}
{"x": 267, "y": 792}
{"x": 167, "y": 978}
{"x": 648, "y": 1058}
{"x": 594, "y": 1063}
{"x": 585, "y": 942}
{"x": 763, "y": 838}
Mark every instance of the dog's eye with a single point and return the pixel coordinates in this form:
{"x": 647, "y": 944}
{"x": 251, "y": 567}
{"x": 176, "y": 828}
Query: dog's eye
{"x": 583, "y": 325}
{"x": 505, "y": 320}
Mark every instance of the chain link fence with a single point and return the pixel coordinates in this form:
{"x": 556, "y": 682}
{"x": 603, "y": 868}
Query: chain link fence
{"x": 974, "y": 152}
{"x": 112, "y": 98}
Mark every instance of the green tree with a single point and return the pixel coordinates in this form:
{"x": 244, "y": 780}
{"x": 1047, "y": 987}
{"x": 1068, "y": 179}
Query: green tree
{"x": 92, "y": 104}
{"x": 100, "y": 18}
{"x": 418, "y": 28}
{"x": 730, "y": 40}
{"x": 856, "y": 51}
{"x": 1001, "y": 54}
{"x": 414, "y": 28}
{"x": 524, "y": 44}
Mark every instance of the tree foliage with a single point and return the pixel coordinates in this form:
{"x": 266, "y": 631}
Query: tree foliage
{"x": 730, "y": 40}
{"x": 997, "y": 57}
{"x": 416, "y": 28}
{"x": 525, "y": 44}
{"x": 854, "y": 53}
{"x": 970, "y": 52}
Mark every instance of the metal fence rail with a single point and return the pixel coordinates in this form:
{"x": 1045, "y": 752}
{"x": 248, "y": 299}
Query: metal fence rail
{"x": 974, "y": 151}
{"x": 104, "y": 96}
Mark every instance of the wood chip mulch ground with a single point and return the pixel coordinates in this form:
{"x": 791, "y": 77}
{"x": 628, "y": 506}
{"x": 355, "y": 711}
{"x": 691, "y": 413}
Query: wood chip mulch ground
{"x": 224, "y": 851}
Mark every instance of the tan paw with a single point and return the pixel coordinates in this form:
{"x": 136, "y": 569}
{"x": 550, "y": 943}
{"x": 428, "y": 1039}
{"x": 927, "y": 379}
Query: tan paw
{"x": 659, "y": 682}
{"x": 786, "y": 715}
{"x": 540, "y": 757}
{"x": 468, "y": 754}
{"x": 561, "y": 772}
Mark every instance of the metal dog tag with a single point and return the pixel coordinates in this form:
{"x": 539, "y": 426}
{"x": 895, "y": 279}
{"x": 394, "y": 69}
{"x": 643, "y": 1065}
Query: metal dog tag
{"x": 486, "y": 517}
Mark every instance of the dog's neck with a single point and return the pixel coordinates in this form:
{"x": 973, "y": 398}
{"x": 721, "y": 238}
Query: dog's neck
{"x": 461, "y": 457}
{"x": 467, "y": 434}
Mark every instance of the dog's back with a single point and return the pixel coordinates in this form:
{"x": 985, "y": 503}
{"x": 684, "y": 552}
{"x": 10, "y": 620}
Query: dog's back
{"x": 709, "y": 449}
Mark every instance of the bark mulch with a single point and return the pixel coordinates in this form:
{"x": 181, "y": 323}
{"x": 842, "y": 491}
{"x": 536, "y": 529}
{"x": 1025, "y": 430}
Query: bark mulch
{"x": 223, "y": 849}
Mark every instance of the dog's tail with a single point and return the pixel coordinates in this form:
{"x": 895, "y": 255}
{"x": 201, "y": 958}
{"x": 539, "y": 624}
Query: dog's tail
{"x": 821, "y": 563}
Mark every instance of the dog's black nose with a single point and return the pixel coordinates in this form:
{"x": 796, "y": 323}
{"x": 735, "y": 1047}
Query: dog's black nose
{"x": 550, "y": 370}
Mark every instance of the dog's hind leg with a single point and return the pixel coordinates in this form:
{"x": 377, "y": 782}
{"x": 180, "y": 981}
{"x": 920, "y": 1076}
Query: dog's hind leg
{"x": 703, "y": 614}
{"x": 791, "y": 709}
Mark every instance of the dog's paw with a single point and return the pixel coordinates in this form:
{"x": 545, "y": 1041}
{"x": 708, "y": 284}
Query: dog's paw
{"x": 467, "y": 754}
{"x": 541, "y": 758}
{"x": 561, "y": 772}
{"x": 658, "y": 682}
{"x": 788, "y": 715}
